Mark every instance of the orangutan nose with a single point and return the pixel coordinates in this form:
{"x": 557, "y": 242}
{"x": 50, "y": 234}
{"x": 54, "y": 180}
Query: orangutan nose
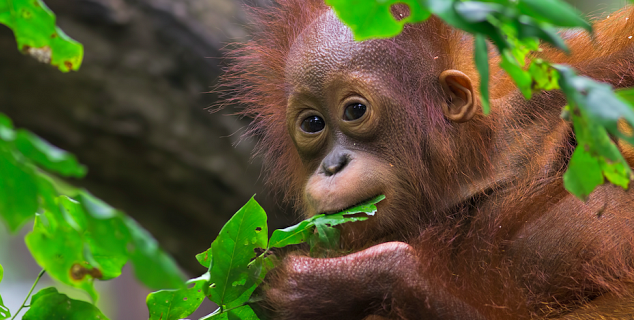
{"x": 335, "y": 161}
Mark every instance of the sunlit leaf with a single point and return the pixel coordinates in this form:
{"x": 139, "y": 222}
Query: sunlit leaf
{"x": 50, "y": 304}
{"x": 75, "y": 247}
{"x": 236, "y": 245}
{"x": 373, "y": 18}
{"x": 522, "y": 78}
{"x": 544, "y": 76}
{"x": 47, "y": 155}
{"x": 58, "y": 248}
{"x": 177, "y": 304}
{"x": 528, "y": 28}
{"x": 33, "y": 25}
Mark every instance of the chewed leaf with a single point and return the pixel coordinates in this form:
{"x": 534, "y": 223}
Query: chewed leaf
{"x": 374, "y": 19}
{"x": 177, "y": 304}
{"x": 75, "y": 248}
{"x": 33, "y": 24}
{"x": 296, "y": 234}
{"x": 368, "y": 207}
{"x": 232, "y": 251}
{"x": 301, "y": 232}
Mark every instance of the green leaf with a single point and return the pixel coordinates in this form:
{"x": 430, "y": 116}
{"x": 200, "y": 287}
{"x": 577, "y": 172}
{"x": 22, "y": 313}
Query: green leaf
{"x": 47, "y": 155}
{"x": 528, "y": 28}
{"x": 626, "y": 94}
{"x": 204, "y": 258}
{"x": 616, "y": 172}
{"x": 303, "y": 231}
{"x": 544, "y": 76}
{"x": 75, "y": 247}
{"x": 598, "y": 100}
{"x": 177, "y": 304}
{"x": 58, "y": 248}
{"x": 556, "y": 12}
{"x": 521, "y": 77}
{"x": 482, "y": 63}
{"x": 327, "y": 238}
{"x": 96, "y": 207}
{"x": 50, "y": 304}
{"x": 6, "y": 128}
{"x": 4, "y": 311}
{"x": 373, "y": 19}
{"x": 36, "y": 34}
{"x": 232, "y": 282}
{"x": 469, "y": 17}
{"x": 47, "y": 192}
{"x": 474, "y": 12}
{"x": 296, "y": 234}
{"x": 239, "y": 313}
{"x": 18, "y": 189}
{"x": 260, "y": 267}
{"x": 583, "y": 174}
{"x": 595, "y": 111}
{"x": 152, "y": 266}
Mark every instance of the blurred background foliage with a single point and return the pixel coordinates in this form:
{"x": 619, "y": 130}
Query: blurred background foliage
{"x": 136, "y": 114}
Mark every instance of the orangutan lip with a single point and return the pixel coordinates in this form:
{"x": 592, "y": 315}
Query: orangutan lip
{"x": 349, "y": 207}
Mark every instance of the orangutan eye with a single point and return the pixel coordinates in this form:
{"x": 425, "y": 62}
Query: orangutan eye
{"x": 313, "y": 124}
{"x": 354, "y": 111}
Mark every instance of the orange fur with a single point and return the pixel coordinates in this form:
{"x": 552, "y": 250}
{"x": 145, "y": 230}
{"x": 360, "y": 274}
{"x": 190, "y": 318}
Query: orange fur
{"x": 495, "y": 234}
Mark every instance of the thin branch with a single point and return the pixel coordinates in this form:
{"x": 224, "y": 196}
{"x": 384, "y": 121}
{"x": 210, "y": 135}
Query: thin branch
{"x": 24, "y": 305}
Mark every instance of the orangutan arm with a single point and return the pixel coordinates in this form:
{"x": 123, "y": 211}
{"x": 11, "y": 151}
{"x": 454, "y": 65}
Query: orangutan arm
{"x": 382, "y": 280}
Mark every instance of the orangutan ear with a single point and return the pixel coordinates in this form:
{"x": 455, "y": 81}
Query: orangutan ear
{"x": 461, "y": 105}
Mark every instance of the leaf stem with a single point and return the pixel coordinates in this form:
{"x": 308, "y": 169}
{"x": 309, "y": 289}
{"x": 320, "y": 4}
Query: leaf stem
{"x": 39, "y": 276}
{"x": 220, "y": 310}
